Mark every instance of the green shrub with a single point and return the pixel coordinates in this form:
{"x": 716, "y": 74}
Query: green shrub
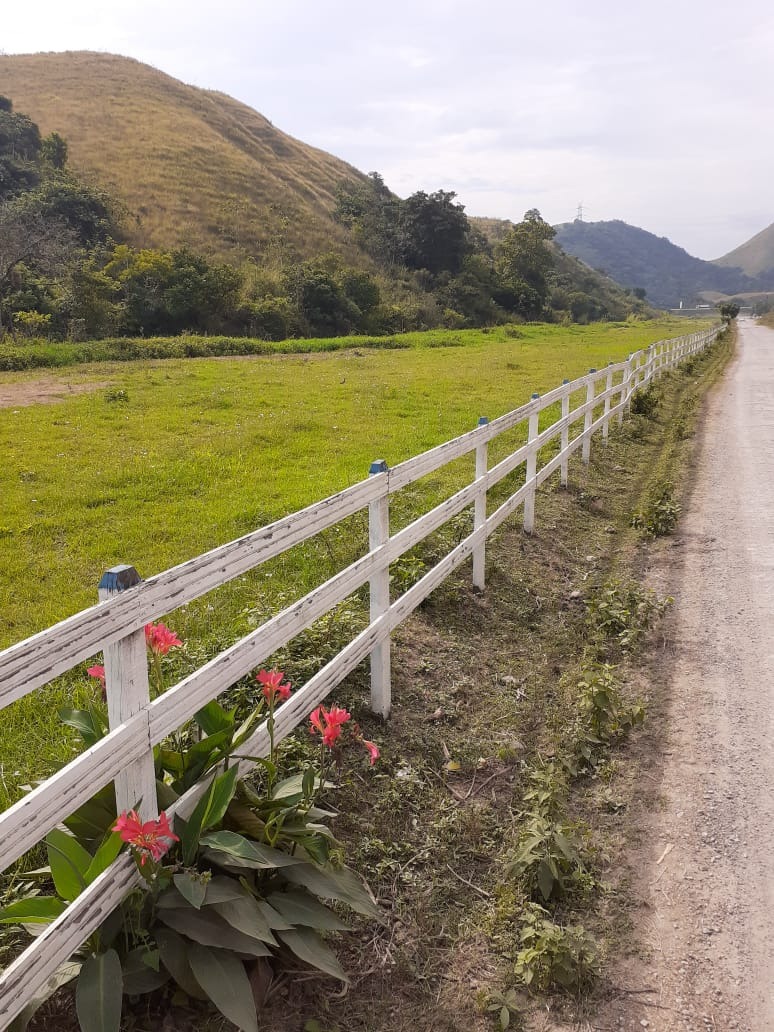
{"x": 553, "y": 956}
{"x": 660, "y": 513}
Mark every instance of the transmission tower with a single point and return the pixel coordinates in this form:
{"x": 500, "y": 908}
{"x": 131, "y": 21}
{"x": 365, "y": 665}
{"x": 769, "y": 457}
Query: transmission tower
{"x": 579, "y": 216}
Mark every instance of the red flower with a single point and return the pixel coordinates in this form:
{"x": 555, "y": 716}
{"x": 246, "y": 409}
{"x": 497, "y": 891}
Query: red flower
{"x": 153, "y": 837}
{"x": 98, "y": 672}
{"x": 160, "y": 639}
{"x": 272, "y": 685}
{"x": 372, "y": 748}
{"x": 328, "y": 723}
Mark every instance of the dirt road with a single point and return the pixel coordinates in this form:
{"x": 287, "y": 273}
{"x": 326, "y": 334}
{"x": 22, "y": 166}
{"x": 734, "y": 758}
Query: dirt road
{"x": 706, "y": 867}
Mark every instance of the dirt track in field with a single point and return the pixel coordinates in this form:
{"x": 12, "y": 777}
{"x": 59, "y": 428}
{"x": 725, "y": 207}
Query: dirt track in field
{"x": 45, "y": 390}
{"x": 704, "y": 871}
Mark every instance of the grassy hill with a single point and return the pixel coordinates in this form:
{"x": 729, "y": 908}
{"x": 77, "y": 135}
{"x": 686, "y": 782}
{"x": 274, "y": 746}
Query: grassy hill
{"x": 756, "y": 257}
{"x": 635, "y": 258}
{"x": 193, "y": 167}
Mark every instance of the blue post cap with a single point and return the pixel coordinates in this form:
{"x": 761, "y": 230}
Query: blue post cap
{"x": 119, "y": 578}
{"x": 592, "y": 370}
{"x": 564, "y": 382}
{"x": 483, "y": 420}
{"x": 535, "y": 396}
{"x": 377, "y": 466}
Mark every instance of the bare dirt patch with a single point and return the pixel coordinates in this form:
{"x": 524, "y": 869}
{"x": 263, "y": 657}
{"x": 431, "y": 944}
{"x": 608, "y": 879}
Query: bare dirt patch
{"x": 44, "y": 391}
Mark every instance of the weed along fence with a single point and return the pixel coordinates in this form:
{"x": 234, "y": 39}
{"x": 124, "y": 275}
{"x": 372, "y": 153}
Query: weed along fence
{"x": 115, "y": 626}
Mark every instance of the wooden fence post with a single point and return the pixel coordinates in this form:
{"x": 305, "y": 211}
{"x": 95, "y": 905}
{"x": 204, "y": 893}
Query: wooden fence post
{"x": 479, "y": 512}
{"x": 564, "y": 442}
{"x": 379, "y": 585}
{"x": 606, "y": 421}
{"x": 588, "y": 419}
{"x": 624, "y": 390}
{"x": 529, "y": 498}
{"x": 127, "y": 692}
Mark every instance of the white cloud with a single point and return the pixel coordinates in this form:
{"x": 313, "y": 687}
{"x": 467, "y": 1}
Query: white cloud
{"x": 656, "y": 114}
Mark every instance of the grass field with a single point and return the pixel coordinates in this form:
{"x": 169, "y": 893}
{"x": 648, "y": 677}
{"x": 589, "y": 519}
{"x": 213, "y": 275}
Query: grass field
{"x": 158, "y": 461}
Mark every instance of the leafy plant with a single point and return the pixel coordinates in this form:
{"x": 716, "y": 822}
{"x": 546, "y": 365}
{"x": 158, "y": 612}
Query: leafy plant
{"x": 506, "y": 1007}
{"x": 622, "y": 613}
{"x": 547, "y": 860}
{"x": 242, "y": 879}
{"x": 660, "y": 513}
{"x": 553, "y": 956}
{"x": 646, "y": 401}
{"x": 604, "y": 715}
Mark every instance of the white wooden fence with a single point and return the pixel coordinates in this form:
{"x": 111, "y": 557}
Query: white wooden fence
{"x": 115, "y": 626}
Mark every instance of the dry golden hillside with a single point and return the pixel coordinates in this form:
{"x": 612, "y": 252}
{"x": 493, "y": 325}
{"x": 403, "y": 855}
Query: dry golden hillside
{"x": 192, "y": 167}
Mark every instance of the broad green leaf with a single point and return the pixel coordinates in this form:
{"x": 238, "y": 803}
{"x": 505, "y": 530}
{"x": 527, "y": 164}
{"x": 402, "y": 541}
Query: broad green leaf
{"x": 104, "y": 857}
{"x": 299, "y": 908}
{"x": 213, "y": 718}
{"x": 192, "y": 889}
{"x": 223, "y": 978}
{"x": 209, "y": 929}
{"x": 209, "y": 811}
{"x": 64, "y": 974}
{"x": 99, "y": 992}
{"x": 274, "y": 918}
{"x": 32, "y": 910}
{"x": 545, "y": 879}
{"x": 308, "y": 945}
{"x": 565, "y": 846}
{"x": 69, "y": 863}
{"x": 90, "y": 724}
{"x": 222, "y": 889}
{"x": 91, "y": 822}
{"x": 289, "y": 788}
{"x": 342, "y": 884}
{"x": 203, "y": 755}
{"x": 170, "y": 760}
{"x": 238, "y": 851}
{"x": 173, "y": 949}
{"x": 245, "y": 729}
{"x": 245, "y": 818}
{"x": 317, "y": 847}
{"x": 138, "y": 977}
{"x": 165, "y": 795}
{"x": 171, "y": 899}
{"x": 246, "y": 916}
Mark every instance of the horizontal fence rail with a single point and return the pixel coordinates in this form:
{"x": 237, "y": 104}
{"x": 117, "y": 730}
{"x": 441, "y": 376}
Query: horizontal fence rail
{"x": 115, "y": 627}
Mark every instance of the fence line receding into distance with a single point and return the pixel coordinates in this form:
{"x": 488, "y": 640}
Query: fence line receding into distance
{"x": 115, "y": 626}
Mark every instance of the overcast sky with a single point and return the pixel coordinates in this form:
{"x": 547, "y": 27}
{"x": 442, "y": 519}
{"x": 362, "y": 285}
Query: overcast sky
{"x": 657, "y": 113}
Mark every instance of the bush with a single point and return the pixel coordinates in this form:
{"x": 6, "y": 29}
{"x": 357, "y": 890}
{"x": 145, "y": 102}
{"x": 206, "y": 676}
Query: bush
{"x": 660, "y": 513}
{"x": 553, "y": 956}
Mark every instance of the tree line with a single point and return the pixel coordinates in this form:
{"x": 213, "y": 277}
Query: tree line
{"x": 67, "y": 271}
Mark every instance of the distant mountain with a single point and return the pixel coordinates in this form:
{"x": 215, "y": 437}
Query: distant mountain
{"x": 756, "y": 257}
{"x": 635, "y": 258}
{"x": 192, "y": 167}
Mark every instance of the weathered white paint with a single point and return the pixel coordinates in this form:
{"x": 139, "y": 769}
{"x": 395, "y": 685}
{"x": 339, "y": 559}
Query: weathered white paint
{"x": 479, "y": 510}
{"x": 379, "y": 594}
{"x": 127, "y": 689}
{"x": 529, "y": 477}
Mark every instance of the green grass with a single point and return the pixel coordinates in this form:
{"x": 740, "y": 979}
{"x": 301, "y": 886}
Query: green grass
{"x": 203, "y": 451}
